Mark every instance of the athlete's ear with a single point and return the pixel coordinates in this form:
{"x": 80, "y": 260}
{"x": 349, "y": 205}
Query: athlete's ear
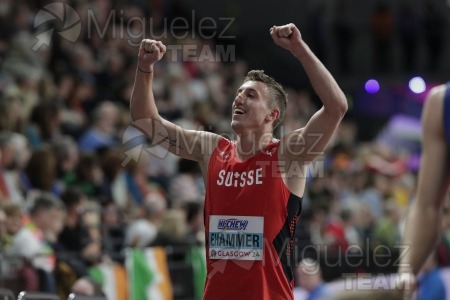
{"x": 273, "y": 115}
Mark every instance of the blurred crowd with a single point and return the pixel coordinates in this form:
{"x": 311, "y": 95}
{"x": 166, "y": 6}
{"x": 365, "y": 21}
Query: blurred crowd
{"x": 72, "y": 196}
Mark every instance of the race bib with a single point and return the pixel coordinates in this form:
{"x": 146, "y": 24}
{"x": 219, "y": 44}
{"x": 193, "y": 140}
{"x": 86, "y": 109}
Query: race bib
{"x": 236, "y": 237}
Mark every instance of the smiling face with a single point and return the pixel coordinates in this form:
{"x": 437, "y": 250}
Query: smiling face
{"x": 250, "y": 110}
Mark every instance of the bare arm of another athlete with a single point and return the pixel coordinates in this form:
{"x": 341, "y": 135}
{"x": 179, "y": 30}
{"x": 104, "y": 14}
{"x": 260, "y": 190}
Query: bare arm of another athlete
{"x": 189, "y": 144}
{"x": 304, "y": 145}
{"x": 424, "y": 217}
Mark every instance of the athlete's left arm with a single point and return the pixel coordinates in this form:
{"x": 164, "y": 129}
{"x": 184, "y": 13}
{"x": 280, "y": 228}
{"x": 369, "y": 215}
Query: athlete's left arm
{"x": 305, "y": 144}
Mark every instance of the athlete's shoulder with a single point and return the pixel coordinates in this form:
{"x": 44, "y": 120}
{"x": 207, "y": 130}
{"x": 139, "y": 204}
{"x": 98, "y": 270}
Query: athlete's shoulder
{"x": 223, "y": 149}
{"x": 224, "y": 143}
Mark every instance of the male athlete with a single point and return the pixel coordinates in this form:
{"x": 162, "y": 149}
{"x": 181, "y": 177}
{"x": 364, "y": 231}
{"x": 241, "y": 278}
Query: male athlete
{"x": 254, "y": 185}
{"x": 424, "y": 218}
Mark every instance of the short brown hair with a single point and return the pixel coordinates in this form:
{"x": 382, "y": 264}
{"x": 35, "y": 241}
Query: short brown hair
{"x": 13, "y": 210}
{"x": 277, "y": 95}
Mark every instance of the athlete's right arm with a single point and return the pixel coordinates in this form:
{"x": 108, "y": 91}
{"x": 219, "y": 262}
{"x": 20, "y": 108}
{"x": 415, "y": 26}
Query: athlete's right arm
{"x": 189, "y": 144}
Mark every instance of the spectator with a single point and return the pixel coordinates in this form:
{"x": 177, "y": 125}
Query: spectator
{"x": 5, "y": 154}
{"x": 45, "y": 124}
{"x": 14, "y": 219}
{"x": 172, "y": 230}
{"x": 85, "y": 286}
{"x": 55, "y": 228}
{"x": 103, "y": 131}
{"x": 73, "y": 236}
{"x": 92, "y": 252}
{"x": 309, "y": 277}
{"x": 113, "y": 234}
{"x": 351, "y": 234}
{"x": 115, "y": 186}
{"x": 4, "y": 243}
{"x": 88, "y": 176}
{"x": 387, "y": 230}
{"x": 12, "y": 117}
{"x": 194, "y": 219}
{"x": 142, "y": 232}
{"x": 30, "y": 241}
{"x": 67, "y": 158}
{"x": 184, "y": 186}
{"x": 40, "y": 172}
{"x": 15, "y": 155}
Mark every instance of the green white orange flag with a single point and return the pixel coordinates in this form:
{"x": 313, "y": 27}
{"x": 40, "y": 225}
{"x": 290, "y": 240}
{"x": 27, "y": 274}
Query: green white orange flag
{"x": 148, "y": 274}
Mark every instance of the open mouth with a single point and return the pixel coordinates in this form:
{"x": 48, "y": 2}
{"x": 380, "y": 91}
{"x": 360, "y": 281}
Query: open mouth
{"x": 239, "y": 111}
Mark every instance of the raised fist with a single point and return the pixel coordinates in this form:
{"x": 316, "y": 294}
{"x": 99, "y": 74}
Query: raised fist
{"x": 286, "y": 36}
{"x": 150, "y": 52}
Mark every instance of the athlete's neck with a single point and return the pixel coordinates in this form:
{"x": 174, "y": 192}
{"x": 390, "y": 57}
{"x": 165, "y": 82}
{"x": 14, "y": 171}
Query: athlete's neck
{"x": 249, "y": 144}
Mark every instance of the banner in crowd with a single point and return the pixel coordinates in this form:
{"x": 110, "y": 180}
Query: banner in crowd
{"x": 148, "y": 274}
{"x": 112, "y": 278}
{"x": 197, "y": 259}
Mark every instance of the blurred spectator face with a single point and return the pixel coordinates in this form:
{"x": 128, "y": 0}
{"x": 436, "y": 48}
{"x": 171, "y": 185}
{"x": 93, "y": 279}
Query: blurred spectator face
{"x": 83, "y": 287}
{"x": 194, "y": 216}
{"x": 21, "y": 152}
{"x": 197, "y": 223}
{"x": 7, "y": 155}
{"x": 72, "y": 159}
{"x": 112, "y": 164}
{"x": 91, "y": 220}
{"x": 382, "y": 183}
{"x": 14, "y": 218}
{"x": 92, "y": 253}
{"x": 393, "y": 211}
{"x": 319, "y": 216}
{"x": 57, "y": 216}
{"x": 84, "y": 58}
{"x": 49, "y": 219}
{"x": 111, "y": 215}
{"x": 67, "y": 154}
{"x": 2, "y": 223}
{"x": 154, "y": 207}
{"x": 82, "y": 205}
{"x": 107, "y": 117}
{"x": 11, "y": 113}
{"x": 174, "y": 224}
{"x": 65, "y": 86}
{"x": 308, "y": 274}
{"x": 41, "y": 169}
{"x": 116, "y": 62}
{"x": 83, "y": 91}
{"x": 89, "y": 170}
{"x": 364, "y": 217}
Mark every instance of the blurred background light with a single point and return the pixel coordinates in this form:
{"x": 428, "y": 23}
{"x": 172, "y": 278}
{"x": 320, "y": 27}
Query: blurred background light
{"x": 372, "y": 86}
{"x": 417, "y": 85}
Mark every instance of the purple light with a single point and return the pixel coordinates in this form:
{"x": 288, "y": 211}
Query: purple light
{"x": 372, "y": 86}
{"x": 417, "y": 85}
